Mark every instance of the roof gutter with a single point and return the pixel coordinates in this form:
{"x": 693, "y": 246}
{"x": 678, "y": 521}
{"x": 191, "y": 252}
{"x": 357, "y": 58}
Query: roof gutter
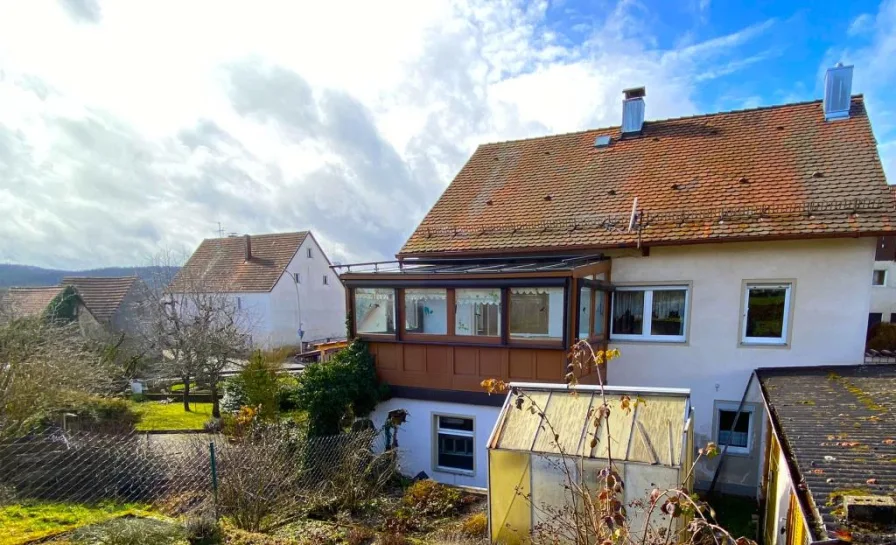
{"x": 791, "y": 471}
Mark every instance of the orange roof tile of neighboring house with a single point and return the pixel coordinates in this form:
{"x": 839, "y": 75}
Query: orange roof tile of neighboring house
{"x": 219, "y": 264}
{"x": 773, "y": 172}
{"x": 25, "y": 302}
{"x": 101, "y": 295}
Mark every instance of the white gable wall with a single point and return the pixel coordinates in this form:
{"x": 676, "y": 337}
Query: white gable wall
{"x": 830, "y": 304}
{"x": 317, "y": 308}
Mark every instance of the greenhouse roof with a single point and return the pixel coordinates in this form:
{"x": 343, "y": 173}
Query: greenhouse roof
{"x": 651, "y": 432}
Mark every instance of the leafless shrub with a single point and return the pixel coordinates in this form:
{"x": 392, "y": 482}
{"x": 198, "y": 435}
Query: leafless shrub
{"x": 45, "y": 366}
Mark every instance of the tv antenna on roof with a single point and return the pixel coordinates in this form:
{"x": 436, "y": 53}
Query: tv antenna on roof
{"x": 631, "y": 219}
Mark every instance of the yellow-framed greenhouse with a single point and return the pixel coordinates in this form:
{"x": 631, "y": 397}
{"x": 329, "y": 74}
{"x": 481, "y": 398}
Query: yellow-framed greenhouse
{"x": 532, "y": 454}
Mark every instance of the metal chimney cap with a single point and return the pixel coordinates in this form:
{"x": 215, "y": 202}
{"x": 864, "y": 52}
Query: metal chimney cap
{"x": 635, "y": 92}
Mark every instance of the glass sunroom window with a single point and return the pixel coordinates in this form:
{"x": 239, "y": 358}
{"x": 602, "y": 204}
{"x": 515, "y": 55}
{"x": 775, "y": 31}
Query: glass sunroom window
{"x": 375, "y": 310}
{"x": 536, "y": 313}
{"x": 477, "y": 312}
{"x": 585, "y": 312}
{"x": 426, "y": 311}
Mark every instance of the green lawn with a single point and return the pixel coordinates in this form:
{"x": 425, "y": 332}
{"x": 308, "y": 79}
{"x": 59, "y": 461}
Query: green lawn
{"x": 22, "y": 523}
{"x": 156, "y": 416}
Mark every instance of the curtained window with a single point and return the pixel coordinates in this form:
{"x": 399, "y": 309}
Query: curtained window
{"x": 375, "y": 310}
{"x": 536, "y": 313}
{"x": 650, "y": 313}
{"x": 426, "y": 311}
{"x": 477, "y": 312}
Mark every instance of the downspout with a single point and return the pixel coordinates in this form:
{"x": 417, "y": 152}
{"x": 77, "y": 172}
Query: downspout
{"x": 298, "y": 308}
{"x": 740, "y": 408}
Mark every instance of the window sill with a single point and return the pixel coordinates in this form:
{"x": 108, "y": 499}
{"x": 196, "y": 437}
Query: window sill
{"x": 453, "y": 471}
{"x": 648, "y": 340}
{"x": 764, "y": 344}
{"x": 739, "y": 452}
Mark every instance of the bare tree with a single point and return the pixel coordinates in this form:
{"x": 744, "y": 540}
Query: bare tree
{"x": 196, "y": 327}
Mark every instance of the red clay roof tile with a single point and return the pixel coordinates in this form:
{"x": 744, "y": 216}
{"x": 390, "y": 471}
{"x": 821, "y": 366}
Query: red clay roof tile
{"x": 774, "y": 172}
{"x": 219, "y": 264}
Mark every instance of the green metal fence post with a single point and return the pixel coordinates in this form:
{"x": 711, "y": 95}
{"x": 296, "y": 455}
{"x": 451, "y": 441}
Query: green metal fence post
{"x": 211, "y": 450}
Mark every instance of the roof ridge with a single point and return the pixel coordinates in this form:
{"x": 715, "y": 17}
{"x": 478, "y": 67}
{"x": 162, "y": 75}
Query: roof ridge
{"x": 128, "y": 277}
{"x": 305, "y": 232}
{"x": 10, "y": 288}
{"x": 665, "y": 119}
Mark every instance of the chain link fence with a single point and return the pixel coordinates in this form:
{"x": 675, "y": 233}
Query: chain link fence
{"x": 268, "y": 472}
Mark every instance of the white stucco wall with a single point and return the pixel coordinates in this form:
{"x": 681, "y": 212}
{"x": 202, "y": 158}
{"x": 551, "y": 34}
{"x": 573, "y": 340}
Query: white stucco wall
{"x": 274, "y": 318}
{"x": 416, "y": 438}
{"x": 883, "y": 298}
{"x": 830, "y": 301}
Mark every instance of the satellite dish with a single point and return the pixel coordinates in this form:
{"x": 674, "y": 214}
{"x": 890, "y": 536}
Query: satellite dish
{"x": 631, "y": 219}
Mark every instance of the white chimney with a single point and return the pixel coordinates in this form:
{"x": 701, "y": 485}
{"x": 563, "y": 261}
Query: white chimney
{"x": 837, "y": 92}
{"x": 633, "y": 110}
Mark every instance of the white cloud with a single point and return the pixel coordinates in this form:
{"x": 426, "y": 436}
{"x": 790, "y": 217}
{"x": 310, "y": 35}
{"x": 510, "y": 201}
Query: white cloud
{"x": 125, "y": 127}
{"x": 875, "y": 75}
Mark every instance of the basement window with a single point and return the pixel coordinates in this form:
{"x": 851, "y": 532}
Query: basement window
{"x": 454, "y": 444}
{"x": 656, "y": 313}
{"x": 735, "y": 435}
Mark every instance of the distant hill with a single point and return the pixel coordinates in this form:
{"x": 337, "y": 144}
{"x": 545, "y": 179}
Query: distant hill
{"x": 26, "y": 275}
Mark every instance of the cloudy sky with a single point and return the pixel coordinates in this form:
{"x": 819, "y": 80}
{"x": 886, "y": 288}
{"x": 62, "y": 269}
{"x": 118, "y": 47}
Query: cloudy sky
{"x": 127, "y": 126}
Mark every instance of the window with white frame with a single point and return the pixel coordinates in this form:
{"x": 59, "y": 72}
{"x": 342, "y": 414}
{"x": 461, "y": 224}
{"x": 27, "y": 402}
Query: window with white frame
{"x": 326, "y": 280}
{"x": 454, "y": 443}
{"x": 879, "y": 277}
{"x": 733, "y": 430}
{"x": 766, "y": 316}
{"x": 309, "y": 252}
{"x": 655, "y": 313}
{"x": 298, "y": 277}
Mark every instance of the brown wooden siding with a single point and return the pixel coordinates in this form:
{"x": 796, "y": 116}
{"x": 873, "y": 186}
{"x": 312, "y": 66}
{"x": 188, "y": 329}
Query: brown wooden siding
{"x": 454, "y": 367}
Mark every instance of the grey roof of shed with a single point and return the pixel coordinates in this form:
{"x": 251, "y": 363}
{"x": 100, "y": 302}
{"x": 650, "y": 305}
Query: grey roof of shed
{"x": 837, "y": 425}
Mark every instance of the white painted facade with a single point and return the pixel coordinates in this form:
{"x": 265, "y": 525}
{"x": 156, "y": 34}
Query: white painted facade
{"x": 883, "y": 298}
{"x": 416, "y": 437}
{"x": 831, "y": 290}
{"x": 312, "y": 305}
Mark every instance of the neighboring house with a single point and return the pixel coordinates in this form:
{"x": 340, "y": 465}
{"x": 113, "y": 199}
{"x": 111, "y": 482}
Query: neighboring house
{"x": 831, "y": 457}
{"x": 47, "y": 301}
{"x": 883, "y": 282}
{"x": 702, "y": 247}
{"x": 116, "y": 302}
{"x": 282, "y": 282}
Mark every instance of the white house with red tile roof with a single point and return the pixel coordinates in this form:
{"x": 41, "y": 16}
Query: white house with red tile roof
{"x": 282, "y": 282}
{"x": 702, "y": 247}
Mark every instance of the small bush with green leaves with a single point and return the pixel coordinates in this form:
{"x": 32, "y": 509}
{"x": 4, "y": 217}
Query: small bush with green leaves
{"x": 203, "y": 530}
{"x": 334, "y": 391}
